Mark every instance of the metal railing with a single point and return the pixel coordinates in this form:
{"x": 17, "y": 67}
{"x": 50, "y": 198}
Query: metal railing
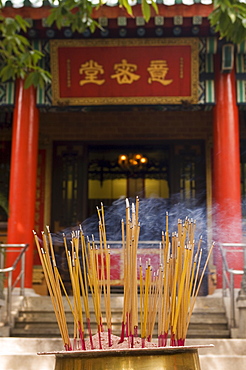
{"x": 228, "y": 282}
{"x": 19, "y": 261}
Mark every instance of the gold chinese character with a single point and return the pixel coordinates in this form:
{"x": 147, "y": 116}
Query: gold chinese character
{"x": 125, "y": 72}
{"x": 91, "y": 70}
{"x": 158, "y": 70}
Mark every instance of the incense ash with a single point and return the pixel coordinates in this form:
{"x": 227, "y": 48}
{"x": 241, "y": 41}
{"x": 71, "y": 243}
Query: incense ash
{"x": 164, "y": 298}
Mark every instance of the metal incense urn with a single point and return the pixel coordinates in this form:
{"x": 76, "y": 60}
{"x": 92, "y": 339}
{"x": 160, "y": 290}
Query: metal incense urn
{"x": 167, "y": 358}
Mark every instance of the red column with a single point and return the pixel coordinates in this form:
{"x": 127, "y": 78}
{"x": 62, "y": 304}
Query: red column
{"x": 23, "y": 172}
{"x": 227, "y": 218}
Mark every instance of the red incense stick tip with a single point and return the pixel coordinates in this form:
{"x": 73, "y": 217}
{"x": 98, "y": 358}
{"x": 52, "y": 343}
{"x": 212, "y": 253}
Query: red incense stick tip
{"x": 75, "y": 344}
{"x": 110, "y": 338}
{"x": 90, "y": 333}
{"x": 68, "y": 347}
{"x": 143, "y": 342}
{"x": 122, "y": 332}
{"x": 164, "y": 339}
{"x": 99, "y": 338}
{"x": 181, "y": 342}
{"x": 131, "y": 337}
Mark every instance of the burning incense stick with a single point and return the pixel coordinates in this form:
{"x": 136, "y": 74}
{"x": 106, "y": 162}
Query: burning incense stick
{"x": 54, "y": 292}
{"x": 105, "y": 270}
{"x": 166, "y": 296}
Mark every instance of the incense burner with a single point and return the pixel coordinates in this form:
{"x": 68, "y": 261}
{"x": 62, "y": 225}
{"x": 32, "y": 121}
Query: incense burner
{"x": 167, "y": 358}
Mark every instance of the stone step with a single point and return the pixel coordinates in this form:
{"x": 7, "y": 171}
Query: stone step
{"x": 191, "y": 334}
{"x": 49, "y": 316}
{"x": 208, "y": 318}
{"x": 219, "y": 333}
{"x": 43, "y": 303}
{"x": 52, "y": 330}
{"x": 211, "y": 326}
{"x": 46, "y": 317}
{"x": 36, "y": 318}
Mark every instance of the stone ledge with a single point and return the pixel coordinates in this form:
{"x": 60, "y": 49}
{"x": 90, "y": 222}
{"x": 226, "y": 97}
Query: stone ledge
{"x": 216, "y": 362}
{"x": 27, "y": 361}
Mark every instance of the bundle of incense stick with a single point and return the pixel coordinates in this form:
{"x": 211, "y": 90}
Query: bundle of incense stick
{"x": 164, "y": 298}
{"x": 181, "y": 281}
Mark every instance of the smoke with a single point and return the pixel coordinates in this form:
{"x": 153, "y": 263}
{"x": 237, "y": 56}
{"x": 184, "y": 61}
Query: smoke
{"x": 152, "y": 218}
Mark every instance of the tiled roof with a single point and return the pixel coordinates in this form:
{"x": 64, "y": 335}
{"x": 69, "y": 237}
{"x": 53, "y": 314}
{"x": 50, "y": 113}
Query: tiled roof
{"x": 38, "y": 9}
{"x": 39, "y": 3}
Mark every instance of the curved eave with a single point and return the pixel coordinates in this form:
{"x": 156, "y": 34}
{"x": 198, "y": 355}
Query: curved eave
{"x": 167, "y": 11}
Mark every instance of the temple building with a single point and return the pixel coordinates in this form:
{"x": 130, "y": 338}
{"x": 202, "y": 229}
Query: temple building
{"x": 154, "y": 110}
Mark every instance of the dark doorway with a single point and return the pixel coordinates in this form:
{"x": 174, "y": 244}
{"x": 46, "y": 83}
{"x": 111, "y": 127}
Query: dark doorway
{"x": 84, "y": 175}
{"x": 168, "y": 175}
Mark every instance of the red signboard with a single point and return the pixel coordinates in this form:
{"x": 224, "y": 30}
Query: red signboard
{"x": 130, "y": 71}
{"x": 117, "y": 262}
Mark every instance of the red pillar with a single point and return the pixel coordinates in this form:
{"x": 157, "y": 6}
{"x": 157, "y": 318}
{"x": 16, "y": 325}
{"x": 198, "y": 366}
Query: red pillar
{"x": 227, "y": 195}
{"x": 23, "y": 173}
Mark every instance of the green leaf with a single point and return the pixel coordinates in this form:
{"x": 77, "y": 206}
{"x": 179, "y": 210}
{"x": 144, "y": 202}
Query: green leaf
{"x": 146, "y": 10}
{"x": 227, "y": 3}
{"x": 29, "y": 81}
{"x": 24, "y": 25}
{"x": 36, "y": 78}
{"x": 224, "y": 21}
{"x": 64, "y": 11}
{"x": 214, "y": 16}
{"x": 224, "y": 5}
{"x": 244, "y": 22}
{"x": 6, "y": 73}
{"x": 51, "y": 18}
{"x": 46, "y": 76}
{"x": 240, "y": 7}
{"x": 25, "y": 58}
{"x": 21, "y": 73}
{"x": 18, "y": 58}
{"x": 127, "y": 6}
{"x": 36, "y": 56}
{"x": 232, "y": 15}
{"x": 153, "y": 3}
{"x": 23, "y": 40}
